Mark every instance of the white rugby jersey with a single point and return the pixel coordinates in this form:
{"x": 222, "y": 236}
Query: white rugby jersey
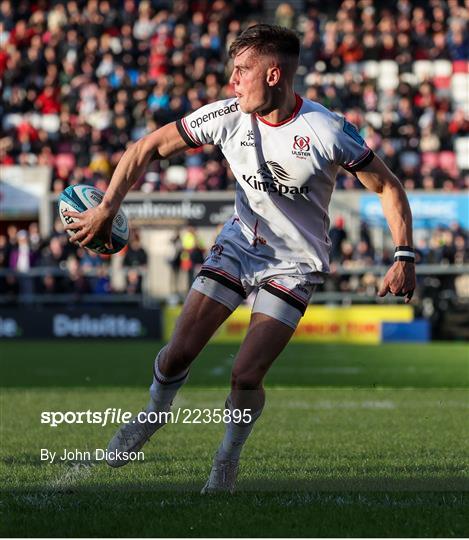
{"x": 285, "y": 172}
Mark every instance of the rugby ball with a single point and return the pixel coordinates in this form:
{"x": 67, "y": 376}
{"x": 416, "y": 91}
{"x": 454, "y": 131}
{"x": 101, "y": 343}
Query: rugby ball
{"x": 81, "y": 197}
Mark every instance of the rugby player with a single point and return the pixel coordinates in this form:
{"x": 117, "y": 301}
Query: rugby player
{"x": 285, "y": 152}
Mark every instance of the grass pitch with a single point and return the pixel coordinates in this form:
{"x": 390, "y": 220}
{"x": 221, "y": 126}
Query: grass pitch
{"x": 354, "y": 441}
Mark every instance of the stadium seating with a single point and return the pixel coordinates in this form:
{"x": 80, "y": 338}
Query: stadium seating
{"x": 106, "y": 84}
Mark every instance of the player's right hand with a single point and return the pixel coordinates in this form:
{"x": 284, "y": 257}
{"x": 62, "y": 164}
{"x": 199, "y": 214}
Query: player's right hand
{"x": 92, "y": 223}
{"x": 399, "y": 280}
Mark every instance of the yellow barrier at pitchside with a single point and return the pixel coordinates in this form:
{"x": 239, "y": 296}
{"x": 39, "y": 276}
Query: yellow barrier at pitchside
{"x": 321, "y": 324}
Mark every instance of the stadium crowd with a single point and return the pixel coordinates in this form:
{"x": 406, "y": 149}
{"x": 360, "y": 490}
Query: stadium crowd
{"x": 64, "y": 268}
{"x": 83, "y": 79}
{"x": 442, "y": 246}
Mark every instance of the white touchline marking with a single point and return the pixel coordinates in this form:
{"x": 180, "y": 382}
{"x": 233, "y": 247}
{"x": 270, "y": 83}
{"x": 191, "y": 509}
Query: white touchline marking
{"x": 375, "y": 404}
{"x": 343, "y": 369}
{"x": 66, "y": 479}
{"x": 297, "y": 405}
{"x": 72, "y": 473}
{"x": 328, "y": 404}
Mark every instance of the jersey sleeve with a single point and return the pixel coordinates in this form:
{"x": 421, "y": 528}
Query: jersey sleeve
{"x": 210, "y": 124}
{"x": 349, "y": 149}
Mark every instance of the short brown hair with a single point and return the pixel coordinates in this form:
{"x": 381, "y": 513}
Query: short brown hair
{"x": 267, "y": 39}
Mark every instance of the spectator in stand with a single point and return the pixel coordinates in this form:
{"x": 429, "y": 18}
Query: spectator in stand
{"x": 35, "y": 241}
{"x": 365, "y": 236}
{"x": 363, "y": 254}
{"x": 21, "y": 257}
{"x": 4, "y": 252}
{"x": 4, "y": 261}
{"x": 101, "y": 284}
{"x": 133, "y": 282}
{"x": 135, "y": 256}
{"x": 135, "y": 263}
{"x": 78, "y": 284}
{"x": 285, "y": 15}
{"x": 48, "y": 285}
{"x": 192, "y": 255}
{"x": 54, "y": 254}
{"x": 11, "y": 241}
{"x": 21, "y": 260}
{"x": 175, "y": 262}
{"x": 338, "y": 235}
{"x": 461, "y": 249}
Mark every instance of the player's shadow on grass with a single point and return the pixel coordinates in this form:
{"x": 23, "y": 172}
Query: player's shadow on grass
{"x": 157, "y": 474}
{"x": 68, "y": 484}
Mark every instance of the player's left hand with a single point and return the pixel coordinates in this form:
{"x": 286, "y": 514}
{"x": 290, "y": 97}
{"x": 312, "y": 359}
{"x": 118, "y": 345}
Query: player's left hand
{"x": 399, "y": 280}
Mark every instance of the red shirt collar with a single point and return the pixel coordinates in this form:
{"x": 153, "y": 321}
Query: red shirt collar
{"x": 299, "y": 103}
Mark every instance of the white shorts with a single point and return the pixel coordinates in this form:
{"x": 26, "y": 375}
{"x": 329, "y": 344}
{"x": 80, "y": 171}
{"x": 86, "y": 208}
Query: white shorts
{"x": 234, "y": 268}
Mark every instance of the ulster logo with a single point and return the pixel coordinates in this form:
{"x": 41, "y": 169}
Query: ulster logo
{"x": 301, "y": 146}
{"x": 301, "y": 143}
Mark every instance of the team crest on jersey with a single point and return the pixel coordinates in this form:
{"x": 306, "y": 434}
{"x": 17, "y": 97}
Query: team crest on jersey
{"x": 215, "y": 253}
{"x": 272, "y": 177}
{"x": 250, "y": 139}
{"x": 216, "y": 249}
{"x": 301, "y": 146}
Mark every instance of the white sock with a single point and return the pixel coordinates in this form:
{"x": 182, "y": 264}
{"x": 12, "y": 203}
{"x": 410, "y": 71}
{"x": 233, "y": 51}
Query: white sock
{"x": 164, "y": 389}
{"x": 236, "y": 434}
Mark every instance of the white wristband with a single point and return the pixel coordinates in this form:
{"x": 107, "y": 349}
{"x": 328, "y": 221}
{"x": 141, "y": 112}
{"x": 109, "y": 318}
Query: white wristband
{"x": 404, "y": 254}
